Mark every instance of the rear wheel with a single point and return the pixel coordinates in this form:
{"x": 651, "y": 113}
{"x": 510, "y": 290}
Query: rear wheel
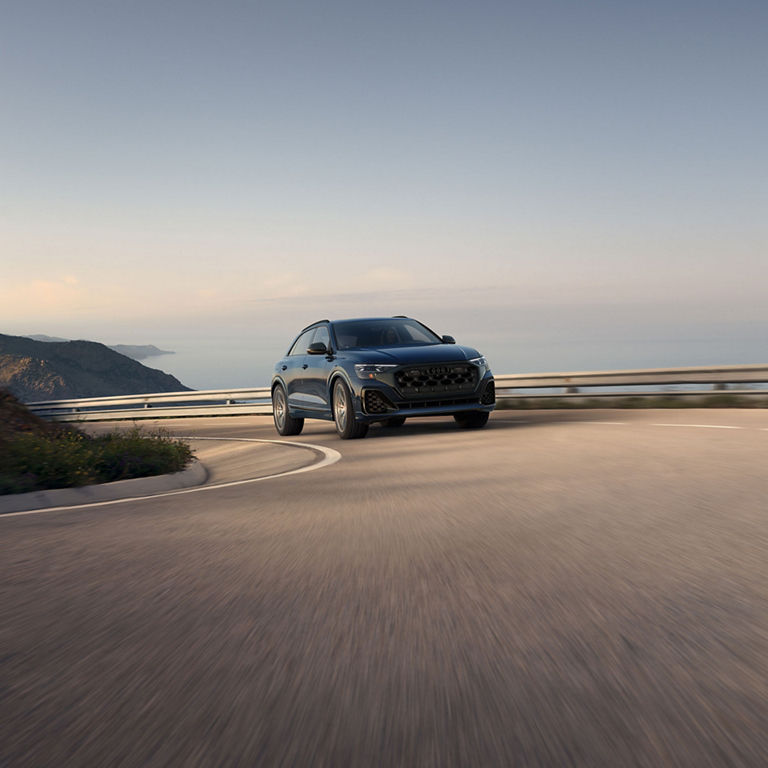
{"x": 395, "y": 421}
{"x": 285, "y": 424}
{"x": 347, "y": 425}
{"x": 471, "y": 419}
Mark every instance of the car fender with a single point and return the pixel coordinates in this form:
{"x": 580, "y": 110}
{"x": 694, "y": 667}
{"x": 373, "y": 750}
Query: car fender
{"x": 339, "y": 373}
{"x": 275, "y": 381}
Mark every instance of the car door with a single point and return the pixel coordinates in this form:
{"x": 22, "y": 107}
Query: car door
{"x": 316, "y": 373}
{"x": 293, "y": 368}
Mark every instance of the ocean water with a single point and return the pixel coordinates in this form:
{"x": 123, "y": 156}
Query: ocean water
{"x": 217, "y": 366}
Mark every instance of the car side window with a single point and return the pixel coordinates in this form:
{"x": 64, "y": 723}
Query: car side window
{"x": 300, "y": 345}
{"x": 321, "y": 334}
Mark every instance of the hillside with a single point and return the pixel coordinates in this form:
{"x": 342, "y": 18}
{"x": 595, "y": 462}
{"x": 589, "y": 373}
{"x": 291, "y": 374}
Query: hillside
{"x": 16, "y": 419}
{"x": 136, "y": 351}
{"x": 36, "y": 370}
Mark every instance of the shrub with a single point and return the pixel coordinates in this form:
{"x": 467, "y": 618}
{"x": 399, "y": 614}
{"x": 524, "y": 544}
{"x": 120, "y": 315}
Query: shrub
{"x": 35, "y": 461}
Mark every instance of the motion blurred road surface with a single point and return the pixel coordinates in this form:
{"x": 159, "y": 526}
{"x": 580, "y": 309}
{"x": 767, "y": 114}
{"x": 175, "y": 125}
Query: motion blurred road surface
{"x": 582, "y": 588}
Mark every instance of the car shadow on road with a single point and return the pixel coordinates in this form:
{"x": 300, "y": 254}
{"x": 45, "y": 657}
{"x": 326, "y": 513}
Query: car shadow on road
{"x": 500, "y": 420}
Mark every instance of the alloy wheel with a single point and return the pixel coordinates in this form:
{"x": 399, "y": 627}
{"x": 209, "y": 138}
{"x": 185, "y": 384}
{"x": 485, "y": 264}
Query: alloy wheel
{"x": 340, "y": 407}
{"x": 278, "y": 407}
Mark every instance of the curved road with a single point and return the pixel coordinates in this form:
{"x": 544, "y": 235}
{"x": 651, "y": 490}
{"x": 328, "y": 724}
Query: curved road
{"x": 582, "y": 588}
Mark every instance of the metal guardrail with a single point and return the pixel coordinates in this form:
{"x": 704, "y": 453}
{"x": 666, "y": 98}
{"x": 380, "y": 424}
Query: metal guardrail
{"x": 211, "y": 402}
{"x": 219, "y": 402}
{"x": 719, "y": 375}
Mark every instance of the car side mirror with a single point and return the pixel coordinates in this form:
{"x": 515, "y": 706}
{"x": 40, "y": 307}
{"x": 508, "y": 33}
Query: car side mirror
{"x": 449, "y": 340}
{"x": 318, "y": 348}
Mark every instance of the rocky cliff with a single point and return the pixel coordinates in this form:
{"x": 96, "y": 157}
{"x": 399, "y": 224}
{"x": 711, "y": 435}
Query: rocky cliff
{"x": 35, "y": 370}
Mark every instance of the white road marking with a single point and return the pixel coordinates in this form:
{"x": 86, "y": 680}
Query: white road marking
{"x": 698, "y": 426}
{"x": 330, "y": 456}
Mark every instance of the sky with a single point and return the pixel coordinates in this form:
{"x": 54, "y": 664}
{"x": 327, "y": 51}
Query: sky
{"x": 563, "y": 185}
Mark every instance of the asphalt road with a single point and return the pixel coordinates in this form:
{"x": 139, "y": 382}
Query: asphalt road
{"x": 549, "y": 591}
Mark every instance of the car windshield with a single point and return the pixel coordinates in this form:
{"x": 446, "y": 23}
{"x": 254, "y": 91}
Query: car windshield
{"x": 390, "y": 332}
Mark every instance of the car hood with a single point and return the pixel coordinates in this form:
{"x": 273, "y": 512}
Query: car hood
{"x": 429, "y": 353}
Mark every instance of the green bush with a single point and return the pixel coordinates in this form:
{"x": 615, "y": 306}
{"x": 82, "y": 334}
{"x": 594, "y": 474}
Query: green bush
{"x": 35, "y": 462}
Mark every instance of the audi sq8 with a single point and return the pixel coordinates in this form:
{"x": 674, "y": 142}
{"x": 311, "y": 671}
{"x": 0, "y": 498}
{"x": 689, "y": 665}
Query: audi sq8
{"x": 357, "y": 372}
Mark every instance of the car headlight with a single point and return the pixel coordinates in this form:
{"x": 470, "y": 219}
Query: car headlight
{"x": 480, "y": 362}
{"x": 371, "y": 370}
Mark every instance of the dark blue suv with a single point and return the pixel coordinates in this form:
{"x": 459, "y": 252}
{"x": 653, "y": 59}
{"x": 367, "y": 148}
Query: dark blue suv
{"x": 356, "y": 372}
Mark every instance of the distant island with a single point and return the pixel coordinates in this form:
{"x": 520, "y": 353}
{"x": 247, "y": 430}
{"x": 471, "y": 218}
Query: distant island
{"x": 136, "y": 351}
{"x": 53, "y": 370}
{"x": 140, "y": 351}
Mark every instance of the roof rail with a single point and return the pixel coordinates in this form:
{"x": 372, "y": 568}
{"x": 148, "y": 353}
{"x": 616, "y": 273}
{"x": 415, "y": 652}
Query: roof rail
{"x": 404, "y": 317}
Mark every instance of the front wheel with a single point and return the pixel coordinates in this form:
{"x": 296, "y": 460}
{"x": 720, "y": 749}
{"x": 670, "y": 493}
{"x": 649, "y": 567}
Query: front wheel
{"x": 347, "y": 425}
{"x": 285, "y": 424}
{"x": 471, "y": 419}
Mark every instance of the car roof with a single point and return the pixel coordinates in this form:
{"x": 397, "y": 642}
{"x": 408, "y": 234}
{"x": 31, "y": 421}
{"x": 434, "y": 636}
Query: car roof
{"x": 356, "y": 320}
{"x": 370, "y": 319}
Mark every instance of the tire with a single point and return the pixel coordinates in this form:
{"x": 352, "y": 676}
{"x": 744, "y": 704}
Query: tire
{"x": 471, "y": 419}
{"x": 347, "y": 425}
{"x": 285, "y": 424}
{"x": 395, "y": 421}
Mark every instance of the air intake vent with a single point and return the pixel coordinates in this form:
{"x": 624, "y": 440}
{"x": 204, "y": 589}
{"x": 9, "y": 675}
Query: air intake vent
{"x": 489, "y": 395}
{"x": 442, "y": 403}
{"x": 375, "y": 402}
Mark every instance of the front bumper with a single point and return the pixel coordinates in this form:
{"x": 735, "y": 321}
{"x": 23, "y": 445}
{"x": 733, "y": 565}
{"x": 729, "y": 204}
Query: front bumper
{"x": 378, "y": 401}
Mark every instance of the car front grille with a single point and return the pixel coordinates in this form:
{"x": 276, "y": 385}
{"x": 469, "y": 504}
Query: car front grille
{"x": 429, "y": 379}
